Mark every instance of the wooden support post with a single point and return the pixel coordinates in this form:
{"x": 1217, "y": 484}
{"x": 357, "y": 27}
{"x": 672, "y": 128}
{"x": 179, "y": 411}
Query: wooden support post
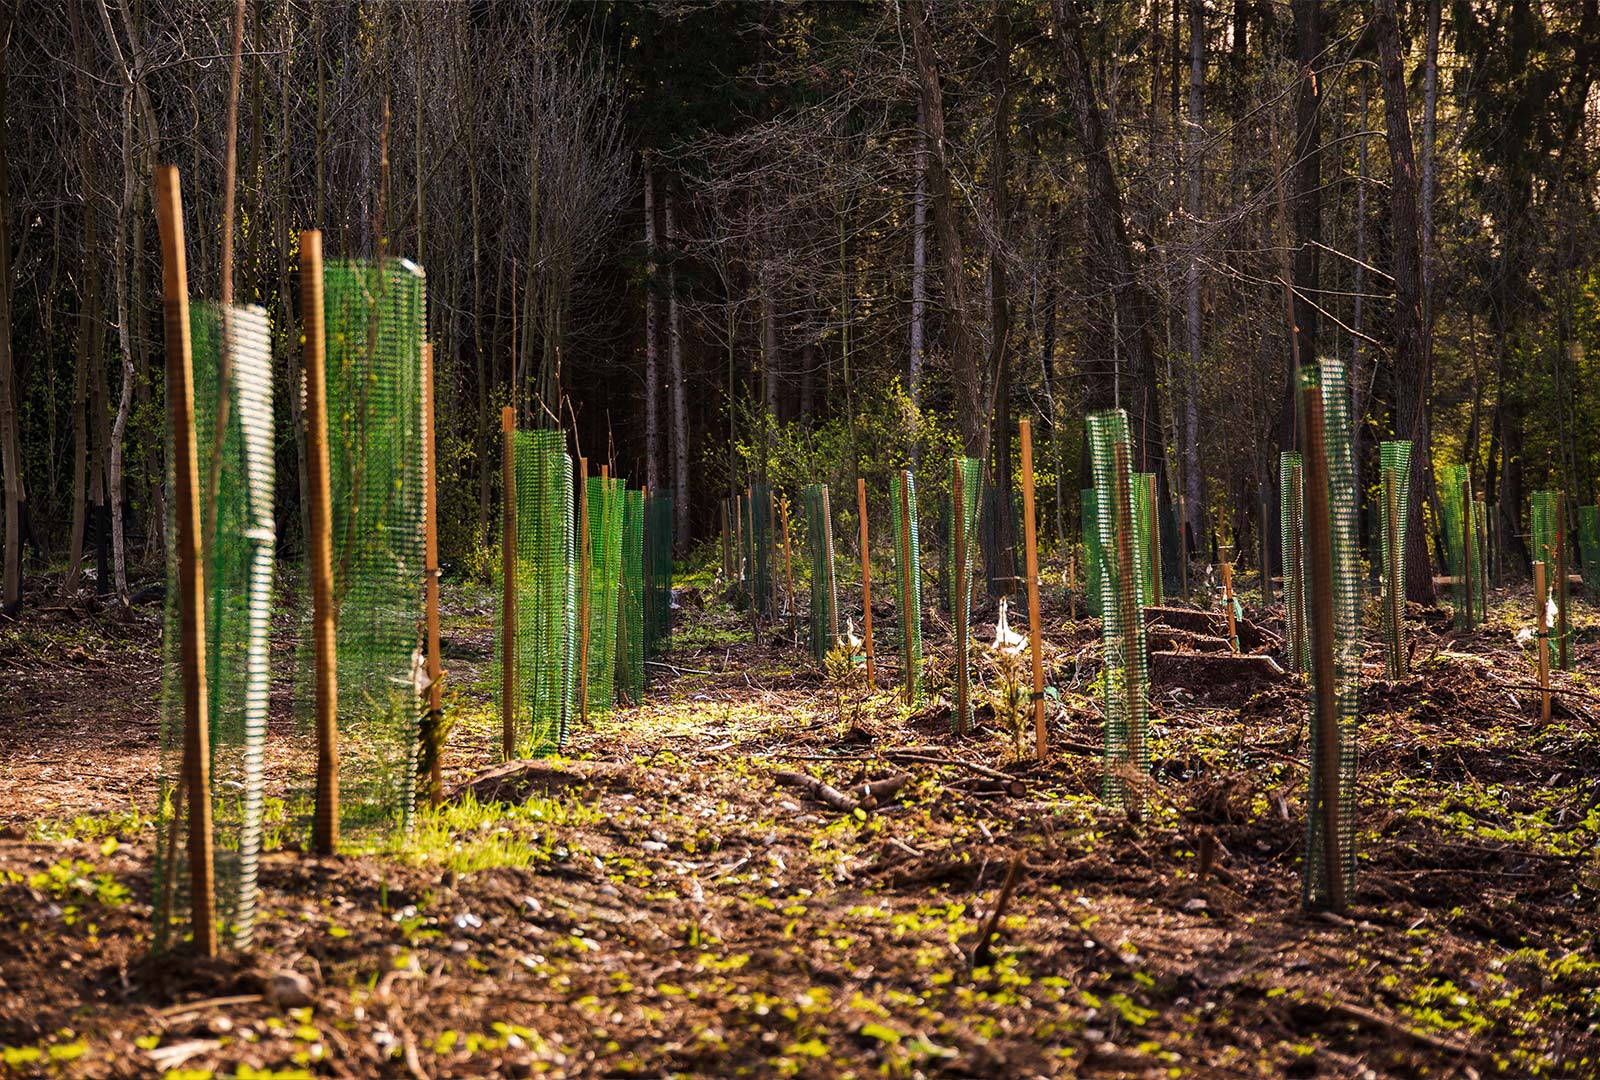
{"x": 1466, "y": 545}
{"x": 866, "y": 580}
{"x": 788, "y": 563}
{"x": 1396, "y": 602}
{"x": 583, "y": 588}
{"x": 1072, "y": 586}
{"x": 1266, "y": 554}
{"x": 191, "y": 569}
{"x": 1563, "y": 642}
{"x": 772, "y": 555}
{"x": 430, "y": 588}
{"x": 1030, "y": 540}
{"x": 738, "y": 541}
{"x": 1543, "y": 623}
{"x": 1483, "y": 556}
{"x": 1318, "y": 517}
{"x": 909, "y": 615}
{"x": 1294, "y": 573}
{"x": 319, "y": 494}
{"x": 1128, "y": 607}
{"x": 727, "y": 565}
{"x": 959, "y": 606}
{"x": 508, "y": 583}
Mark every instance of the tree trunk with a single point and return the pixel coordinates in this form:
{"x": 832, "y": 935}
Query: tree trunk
{"x": 965, "y": 376}
{"x": 652, "y": 362}
{"x": 1411, "y": 361}
{"x": 1194, "y": 519}
{"x": 10, "y": 437}
{"x": 1001, "y": 559}
{"x": 1306, "y": 195}
{"x": 680, "y": 394}
{"x": 919, "y": 263}
{"x": 1430, "y": 110}
{"x": 1111, "y": 261}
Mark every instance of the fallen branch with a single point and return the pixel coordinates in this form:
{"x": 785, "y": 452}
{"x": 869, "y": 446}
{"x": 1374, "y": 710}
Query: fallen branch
{"x": 985, "y": 950}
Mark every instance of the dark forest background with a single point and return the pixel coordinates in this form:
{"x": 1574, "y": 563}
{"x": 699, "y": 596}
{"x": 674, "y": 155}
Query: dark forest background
{"x": 803, "y": 241}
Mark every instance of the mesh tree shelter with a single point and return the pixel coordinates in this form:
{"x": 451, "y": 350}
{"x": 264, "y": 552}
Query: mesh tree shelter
{"x": 908, "y": 577}
{"x": 966, "y": 489}
{"x": 630, "y": 600}
{"x": 375, "y": 322}
{"x": 1395, "y": 490}
{"x": 1145, "y": 520}
{"x": 1291, "y": 523}
{"x": 657, "y": 572}
{"x": 605, "y": 574}
{"x": 546, "y": 619}
{"x": 1589, "y": 549}
{"x": 1093, "y": 556}
{"x": 238, "y": 593}
{"x": 1333, "y": 593}
{"x": 824, "y": 592}
{"x": 1462, "y": 546}
{"x": 1122, "y": 603}
{"x": 759, "y": 531}
{"x": 1550, "y": 547}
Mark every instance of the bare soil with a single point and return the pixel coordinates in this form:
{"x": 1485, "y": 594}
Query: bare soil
{"x": 655, "y": 904}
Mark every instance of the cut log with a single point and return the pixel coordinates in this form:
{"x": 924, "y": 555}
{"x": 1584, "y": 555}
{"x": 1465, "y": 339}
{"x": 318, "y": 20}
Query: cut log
{"x": 1170, "y": 640}
{"x": 1253, "y": 637}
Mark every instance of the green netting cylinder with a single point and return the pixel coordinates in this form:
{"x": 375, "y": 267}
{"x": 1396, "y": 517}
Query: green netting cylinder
{"x": 824, "y": 594}
{"x": 545, "y": 637}
{"x": 1333, "y": 768}
{"x": 1549, "y": 547}
{"x": 1395, "y": 491}
{"x": 960, "y": 569}
{"x": 658, "y": 572}
{"x": 605, "y": 573}
{"x": 908, "y": 578}
{"x": 1462, "y": 543}
{"x": 1122, "y": 603}
{"x": 760, "y": 519}
{"x": 374, "y": 319}
{"x": 238, "y": 597}
{"x": 1589, "y": 549}
{"x": 1291, "y": 525}
{"x": 1144, "y": 520}
{"x": 630, "y": 601}
{"x": 1093, "y": 554}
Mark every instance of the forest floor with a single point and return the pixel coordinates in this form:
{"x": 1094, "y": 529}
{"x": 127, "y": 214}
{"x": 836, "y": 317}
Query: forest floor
{"x": 654, "y": 903}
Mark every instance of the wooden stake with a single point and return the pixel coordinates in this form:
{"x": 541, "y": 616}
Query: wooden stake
{"x": 319, "y": 494}
{"x": 788, "y": 563}
{"x": 866, "y": 579}
{"x": 1482, "y": 534}
{"x": 1325, "y": 720}
{"x": 583, "y": 588}
{"x": 1294, "y": 573}
{"x": 430, "y": 572}
{"x": 508, "y": 584}
{"x": 191, "y": 570}
{"x": 910, "y": 614}
{"x": 1072, "y": 586}
{"x": 959, "y": 523}
{"x": 1466, "y": 544}
{"x": 1544, "y": 640}
{"x": 1030, "y": 541}
{"x": 727, "y": 566}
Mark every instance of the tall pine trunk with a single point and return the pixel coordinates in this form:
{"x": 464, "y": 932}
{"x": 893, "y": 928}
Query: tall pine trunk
{"x": 652, "y": 361}
{"x": 680, "y": 392}
{"x": 1411, "y": 361}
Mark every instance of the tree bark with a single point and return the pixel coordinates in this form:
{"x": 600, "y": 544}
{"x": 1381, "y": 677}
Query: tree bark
{"x": 1411, "y": 361}
{"x": 652, "y": 361}
{"x": 1000, "y": 560}
{"x": 10, "y": 437}
{"x": 680, "y": 393}
{"x": 1194, "y": 518}
{"x": 919, "y": 263}
{"x": 1306, "y": 193}
{"x": 1111, "y": 262}
{"x": 965, "y": 376}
